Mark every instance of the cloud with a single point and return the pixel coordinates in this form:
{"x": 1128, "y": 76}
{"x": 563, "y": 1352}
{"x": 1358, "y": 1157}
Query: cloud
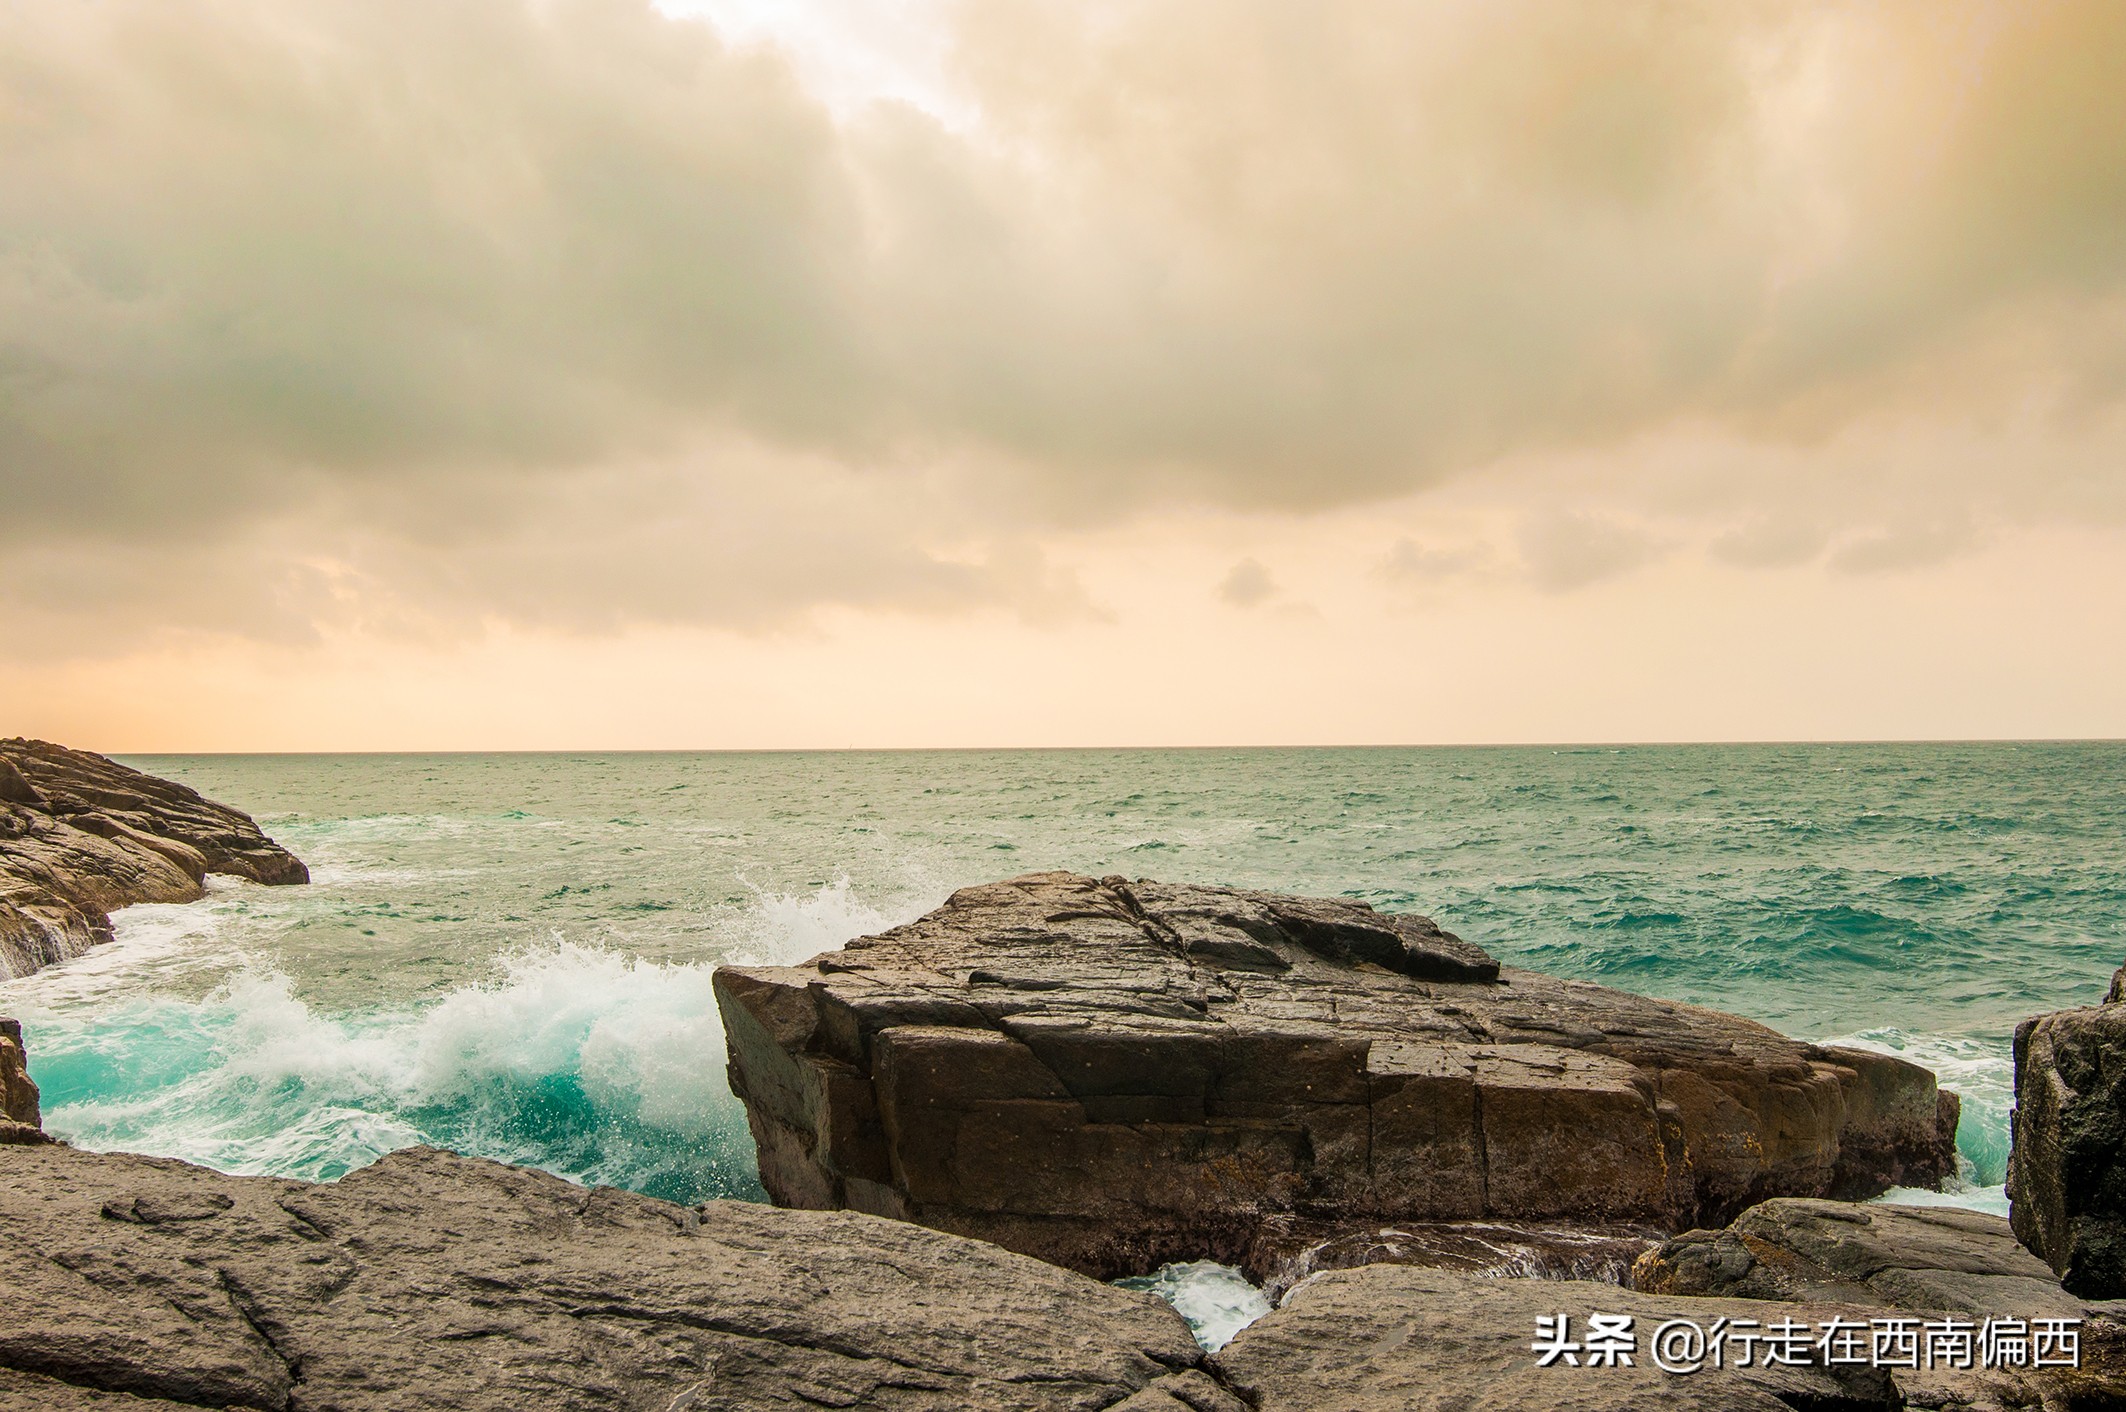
{"x": 1564, "y": 551}
{"x": 1913, "y": 546}
{"x": 1411, "y": 562}
{"x": 1770, "y": 542}
{"x": 565, "y": 311}
{"x": 1249, "y": 585}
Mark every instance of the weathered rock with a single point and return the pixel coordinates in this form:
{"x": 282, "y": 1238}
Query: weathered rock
{"x": 2067, "y": 1169}
{"x": 1907, "y": 1257}
{"x": 1288, "y": 1249}
{"x": 1418, "y": 1340}
{"x": 21, "y": 1120}
{"x": 435, "y": 1281}
{"x": 1926, "y": 1260}
{"x": 1114, "y": 1074}
{"x": 81, "y": 835}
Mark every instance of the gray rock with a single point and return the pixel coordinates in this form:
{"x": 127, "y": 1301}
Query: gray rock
{"x": 2067, "y": 1169}
{"x": 1420, "y": 1340}
{"x": 430, "y": 1281}
{"x": 1922, "y": 1259}
{"x": 81, "y": 836}
{"x": 31, "y": 1392}
{"x": 1113, "y": 1074}
{"x": 1906, "y": 1257}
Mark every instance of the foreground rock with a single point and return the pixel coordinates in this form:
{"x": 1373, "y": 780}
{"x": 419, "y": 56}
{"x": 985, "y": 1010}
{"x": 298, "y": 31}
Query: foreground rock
{"x": 1113, "y": 1074}
{"x": 2067, "y": 1171}
{"x": 1911, "y": 1257}
{"x": 81, "y": 835}
{"x": 435, "y": 1281}
{"x": 1935, "y": 1262}
{"x": 1392, "y": 1338}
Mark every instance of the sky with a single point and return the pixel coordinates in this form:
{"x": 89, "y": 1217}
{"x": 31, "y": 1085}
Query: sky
{"x": 590, "y": 374}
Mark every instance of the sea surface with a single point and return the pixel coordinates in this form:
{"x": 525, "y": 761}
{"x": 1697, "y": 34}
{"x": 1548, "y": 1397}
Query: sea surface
{"x": 509, "y": 955}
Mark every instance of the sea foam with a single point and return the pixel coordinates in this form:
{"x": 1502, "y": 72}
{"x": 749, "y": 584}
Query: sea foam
{"x": 1216, "y": 1300}
{"x": 580, "y": 1059}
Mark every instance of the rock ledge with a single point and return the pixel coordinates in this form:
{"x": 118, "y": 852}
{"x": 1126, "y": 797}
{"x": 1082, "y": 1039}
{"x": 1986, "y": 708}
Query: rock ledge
{"x": 81, "y": 835}
{"x": 1112, "y": 1074}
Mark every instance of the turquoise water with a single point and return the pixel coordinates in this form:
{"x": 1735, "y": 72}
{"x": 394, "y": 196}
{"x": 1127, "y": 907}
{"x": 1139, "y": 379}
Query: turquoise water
{"x": 510, "y": 954}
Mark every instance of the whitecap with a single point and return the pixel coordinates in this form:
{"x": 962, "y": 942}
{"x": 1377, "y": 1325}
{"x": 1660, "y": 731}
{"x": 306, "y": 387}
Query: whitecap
{"x": 583, "y": 1059}
{"x": 1217, "y": 1300}
{"x": 1993, "y": 1200}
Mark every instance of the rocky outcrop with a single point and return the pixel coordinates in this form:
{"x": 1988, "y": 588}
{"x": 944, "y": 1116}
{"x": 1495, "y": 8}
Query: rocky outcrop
{"x": 435, "y": 1281}
{"x": 21, "y": 1120}
{"x": 1936, "y": 1262}
{"x": 81, "y": 835}
{"x": 2067, "y": 1169}
{"x": 1113, "y": 1074}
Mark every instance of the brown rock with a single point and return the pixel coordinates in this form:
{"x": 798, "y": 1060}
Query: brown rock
{"x": 1908, "y": 1257}
{"x": 1115, "y": 1074}
{"x": 1392, "y": 1338}
{"x": 81, "y": 836}
{"x": 433, "y": 1281}
{"x": 1924, "y": 1259}
{"x": 15, "y": 787}
{"x": 21, "y": 1122}
{"x": 2067, "y": 1169}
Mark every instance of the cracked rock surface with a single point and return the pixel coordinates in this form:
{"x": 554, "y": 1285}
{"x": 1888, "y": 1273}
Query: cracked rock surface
{"x": 1399, "y": 1337}
{"x": 1926, "y": 1260}
{"x": 81, "y": 835}
{"x": 1920, "y": 1257}
{"x": 435, "y": 1281}
{"x": 2067, "y": 1170}
{"x": 1111, "y": 1074}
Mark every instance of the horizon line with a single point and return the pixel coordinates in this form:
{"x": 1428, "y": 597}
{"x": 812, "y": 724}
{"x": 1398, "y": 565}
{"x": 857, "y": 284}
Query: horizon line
{"x": 1138, "y": 748}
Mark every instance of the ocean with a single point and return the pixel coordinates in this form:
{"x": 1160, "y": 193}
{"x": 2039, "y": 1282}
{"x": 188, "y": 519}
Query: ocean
{"x": 509, "y": 955}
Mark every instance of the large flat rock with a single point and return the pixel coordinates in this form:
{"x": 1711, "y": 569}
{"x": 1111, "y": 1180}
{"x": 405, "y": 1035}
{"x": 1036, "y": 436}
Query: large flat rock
{"x": 1113, "y": 1074}
{"x": 81, "y": 836}
{"x": 434, "y": 1281}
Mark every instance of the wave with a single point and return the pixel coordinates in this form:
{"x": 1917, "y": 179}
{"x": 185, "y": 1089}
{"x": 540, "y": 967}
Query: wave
{"x": 1217, "y": 1300}
{"x": 583, "y": 1060}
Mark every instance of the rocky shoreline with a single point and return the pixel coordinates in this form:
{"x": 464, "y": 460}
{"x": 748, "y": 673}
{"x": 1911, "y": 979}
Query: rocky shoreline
{"x": 81, "y": 836}
{"x": 441, "y": 1281}
{"x": 1447, "y": 1174}
{"x": 429, "y": 1280}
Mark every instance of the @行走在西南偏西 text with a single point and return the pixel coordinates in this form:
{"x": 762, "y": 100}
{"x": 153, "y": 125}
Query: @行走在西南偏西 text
{"x": 1686, "y": 1346}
